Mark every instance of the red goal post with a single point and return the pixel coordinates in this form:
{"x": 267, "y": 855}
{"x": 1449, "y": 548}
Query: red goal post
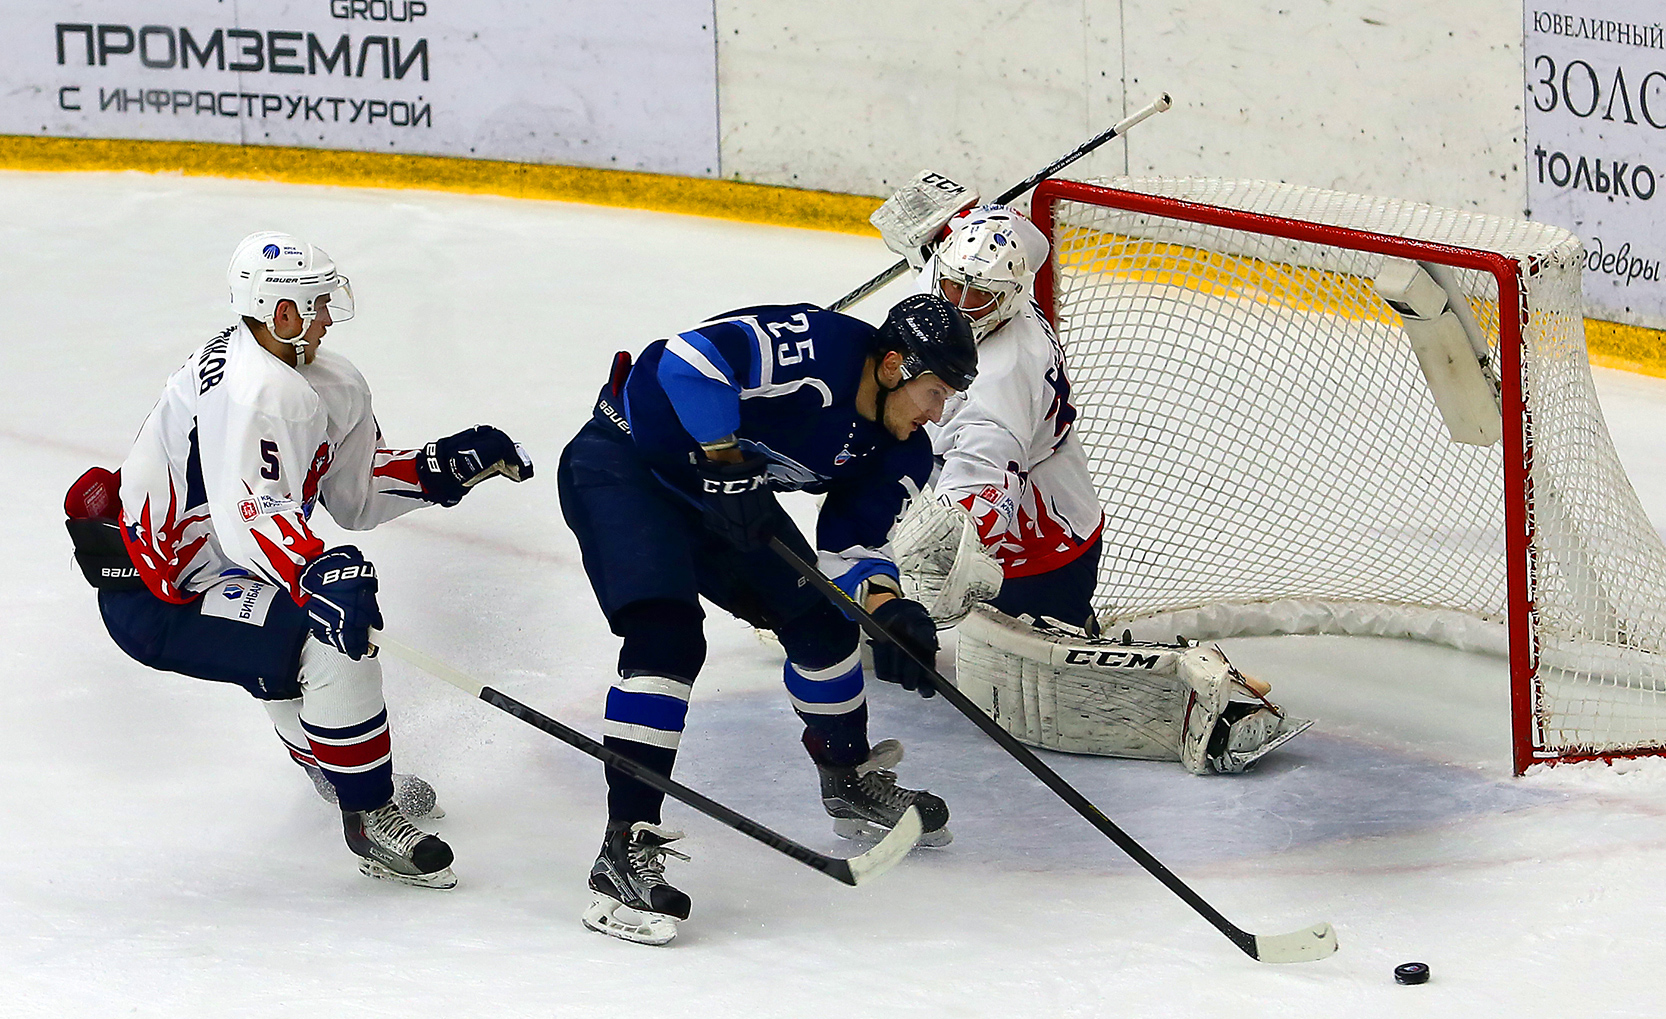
{"x": 1272, "y": 460}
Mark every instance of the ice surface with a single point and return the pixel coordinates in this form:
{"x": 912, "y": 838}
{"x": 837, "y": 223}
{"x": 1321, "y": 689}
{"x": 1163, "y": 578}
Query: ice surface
{"x": 163, "y": 858}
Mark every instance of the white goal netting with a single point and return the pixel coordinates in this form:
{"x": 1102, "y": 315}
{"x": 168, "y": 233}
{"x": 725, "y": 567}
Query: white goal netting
{"x": 1271, "y": 459}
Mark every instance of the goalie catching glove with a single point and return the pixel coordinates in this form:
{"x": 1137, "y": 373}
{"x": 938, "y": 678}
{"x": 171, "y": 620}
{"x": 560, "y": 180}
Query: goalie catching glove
{"x": 943, "y": 561}
{"x": 449, "y": 467}
{"x": 341, "y": 603}
{"x": 913, "y": 217}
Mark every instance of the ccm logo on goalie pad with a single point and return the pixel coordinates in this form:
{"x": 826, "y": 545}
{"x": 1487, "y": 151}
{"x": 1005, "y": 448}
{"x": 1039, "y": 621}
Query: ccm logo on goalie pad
{"x": 1109, "y": 659}
{"x": 736, "y": 487}
{"x": 346, "y": 573}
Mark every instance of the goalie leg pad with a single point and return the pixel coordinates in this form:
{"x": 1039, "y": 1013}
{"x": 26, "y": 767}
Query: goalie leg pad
{"x": 1055, "y": 687}
{"x": 1208, "y": 675}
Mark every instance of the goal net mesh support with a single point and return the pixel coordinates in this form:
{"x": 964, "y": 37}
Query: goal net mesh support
{"x": 1271, "y": 459}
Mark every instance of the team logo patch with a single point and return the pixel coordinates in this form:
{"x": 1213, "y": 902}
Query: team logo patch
{"x": 241, "y": 600}
{"x": 843, "y": 458}
{"x": 270, "y": 251}
{"x": 266, "y": 506}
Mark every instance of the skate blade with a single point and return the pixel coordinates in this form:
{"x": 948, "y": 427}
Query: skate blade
{"x": 607, "y": 915}
{"x": 443, "y": 878}
{"x": 858, "y": 830}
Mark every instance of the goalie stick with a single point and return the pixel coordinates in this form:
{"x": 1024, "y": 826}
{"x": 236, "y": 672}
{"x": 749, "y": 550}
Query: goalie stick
{"x": 855, "y": 870}
{"x": 1158, "y": 105}
{"x": 1305, "y": 945}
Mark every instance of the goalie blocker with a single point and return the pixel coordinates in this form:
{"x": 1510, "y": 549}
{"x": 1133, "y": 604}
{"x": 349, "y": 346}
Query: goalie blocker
{"x": 1053, "y": 686}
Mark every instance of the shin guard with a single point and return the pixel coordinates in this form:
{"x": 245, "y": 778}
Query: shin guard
{"x": 346, "y": 724}
{"x": 663, "y": 651}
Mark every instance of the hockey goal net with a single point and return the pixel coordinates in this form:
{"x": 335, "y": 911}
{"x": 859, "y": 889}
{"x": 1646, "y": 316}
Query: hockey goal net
{"x": 1272, "y": 459}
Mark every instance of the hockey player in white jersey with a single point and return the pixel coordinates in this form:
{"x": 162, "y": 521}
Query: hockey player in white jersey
{"x": 1016, "y": 521}
{"x": 1008, "y": 451}
{"x": 204, "y": 559}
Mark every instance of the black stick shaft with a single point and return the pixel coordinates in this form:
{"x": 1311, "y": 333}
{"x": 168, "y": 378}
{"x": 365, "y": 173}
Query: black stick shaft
{"x": 831, "y": 866}
{"x": 1121, "y": 127}
{"x": 1050, "y": 778}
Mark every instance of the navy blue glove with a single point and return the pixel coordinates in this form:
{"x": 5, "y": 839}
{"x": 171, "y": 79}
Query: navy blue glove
{"x": 449, "y": 467}
{"x": 908, "y": 623}
{"x": 341, "y": 604}
{"x": 737, "y": 502}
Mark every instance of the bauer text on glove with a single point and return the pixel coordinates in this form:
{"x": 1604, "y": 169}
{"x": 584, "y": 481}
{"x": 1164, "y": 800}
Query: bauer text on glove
{"x": 341, "y": 603}
{"x": 449, "y": 467}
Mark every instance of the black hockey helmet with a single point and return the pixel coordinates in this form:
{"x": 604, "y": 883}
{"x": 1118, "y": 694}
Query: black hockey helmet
{"x": 932, "y": 336}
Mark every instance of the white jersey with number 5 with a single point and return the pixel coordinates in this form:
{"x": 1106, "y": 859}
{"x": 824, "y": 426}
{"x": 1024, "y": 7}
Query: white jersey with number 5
{"x": 1010, "y": 452}
{"x": 228, "y": 466}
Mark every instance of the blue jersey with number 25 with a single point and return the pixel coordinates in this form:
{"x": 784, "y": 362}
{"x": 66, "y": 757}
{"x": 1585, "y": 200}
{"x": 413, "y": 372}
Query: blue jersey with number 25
{"x": 783, "y": 380}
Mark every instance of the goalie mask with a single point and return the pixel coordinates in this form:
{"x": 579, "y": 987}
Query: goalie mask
{"x": 269, "y": 267}
{"x": 986, "y": 265}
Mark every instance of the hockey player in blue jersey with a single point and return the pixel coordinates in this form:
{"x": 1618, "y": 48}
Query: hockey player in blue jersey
{"x": 670, "y": 491}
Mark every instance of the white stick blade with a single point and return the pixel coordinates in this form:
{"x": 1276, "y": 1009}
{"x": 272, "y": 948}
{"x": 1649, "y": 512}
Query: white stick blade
{"x": 890, "y": 850}
{"x": 1315, "y": 942}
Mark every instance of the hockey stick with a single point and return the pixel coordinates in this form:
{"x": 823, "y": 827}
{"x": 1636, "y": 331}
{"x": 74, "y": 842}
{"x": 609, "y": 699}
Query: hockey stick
{"x": 853, "y": 871}
{"x": 1304, "y": 945}
{"x": 1158, "y": 105}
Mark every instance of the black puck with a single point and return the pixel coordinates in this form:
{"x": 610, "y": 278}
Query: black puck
{"x": 1411, "y": 973}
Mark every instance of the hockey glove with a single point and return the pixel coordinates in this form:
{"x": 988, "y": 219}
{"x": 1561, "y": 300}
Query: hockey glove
{"x": 909, "y": 625}
{"x": 341, "y": 603}
{"x": 449, "y": 467}
{"x": 737, "y": 501}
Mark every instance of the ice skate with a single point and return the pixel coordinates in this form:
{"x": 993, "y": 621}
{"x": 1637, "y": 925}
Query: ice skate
{"x": 412, "y": 795}
{"x": 390, "y": 846}
{"x": 631, "y": 899}
{"x": 865, "y": 801}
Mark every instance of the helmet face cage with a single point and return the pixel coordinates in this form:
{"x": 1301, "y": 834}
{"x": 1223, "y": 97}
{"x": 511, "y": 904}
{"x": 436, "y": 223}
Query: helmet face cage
{"x": 986, "y": 303}
{"x": 987, "y": 259}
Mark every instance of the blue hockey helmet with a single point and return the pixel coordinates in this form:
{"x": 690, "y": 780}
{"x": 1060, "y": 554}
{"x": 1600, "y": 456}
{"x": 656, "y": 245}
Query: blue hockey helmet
{"x": 932, "y": 336}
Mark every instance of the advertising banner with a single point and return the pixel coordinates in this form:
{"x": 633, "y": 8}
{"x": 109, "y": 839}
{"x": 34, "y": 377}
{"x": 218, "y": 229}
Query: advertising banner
{"x": 1596, "y": 145}
{"x": 625, "y": 84}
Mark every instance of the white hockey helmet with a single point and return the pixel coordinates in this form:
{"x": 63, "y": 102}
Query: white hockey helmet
{"x": 991, "y": 255}
{"x": 269, "y": 267}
